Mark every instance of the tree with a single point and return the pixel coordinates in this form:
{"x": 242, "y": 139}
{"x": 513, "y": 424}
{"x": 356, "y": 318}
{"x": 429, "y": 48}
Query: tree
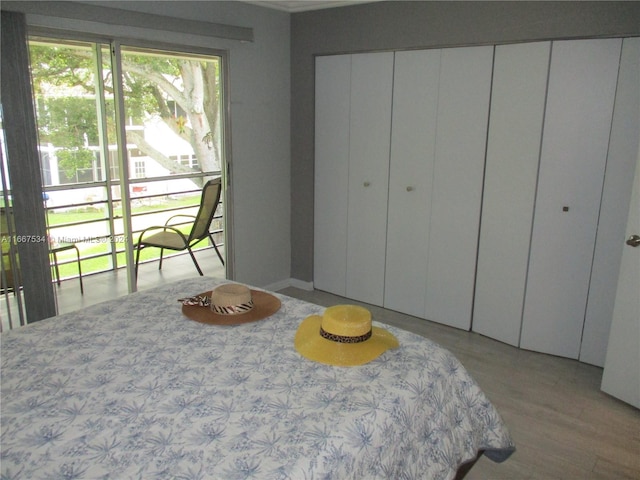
{"x": 153, "y": 86}
{"x": 70, "y": 123}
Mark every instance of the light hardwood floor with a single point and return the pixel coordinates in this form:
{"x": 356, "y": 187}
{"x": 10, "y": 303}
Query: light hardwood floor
{"x": 564, "y": 427}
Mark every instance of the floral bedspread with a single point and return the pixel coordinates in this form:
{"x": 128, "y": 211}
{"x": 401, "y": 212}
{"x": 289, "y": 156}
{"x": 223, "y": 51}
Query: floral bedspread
{"x": 132, "y": 389}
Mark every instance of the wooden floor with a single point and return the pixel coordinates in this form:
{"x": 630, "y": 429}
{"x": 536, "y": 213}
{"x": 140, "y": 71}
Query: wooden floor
{"x": 564, "y": 427}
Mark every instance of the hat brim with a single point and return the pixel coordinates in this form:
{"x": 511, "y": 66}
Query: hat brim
{"x": 311, "y": 345}
{"x": 264, "y": 305}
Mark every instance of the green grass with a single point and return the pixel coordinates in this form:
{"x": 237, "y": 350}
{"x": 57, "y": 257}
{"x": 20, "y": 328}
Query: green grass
{"x": 56, "y": 218}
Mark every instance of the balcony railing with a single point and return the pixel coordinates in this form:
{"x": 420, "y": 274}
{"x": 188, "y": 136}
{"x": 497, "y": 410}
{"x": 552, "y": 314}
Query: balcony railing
{"x": 96, "y": 228}
{"x": 100, "y": 238}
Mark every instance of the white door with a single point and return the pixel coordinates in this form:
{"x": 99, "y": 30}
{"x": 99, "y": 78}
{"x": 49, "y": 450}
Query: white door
{"x": 415, "y": 105}
{"x": 463, "y": 109}
{"x": 369, "y": 140}
{"x": 618, "y": 184}
{"x": 333, "y": 90}
{"x": 513, "y": 151}
{"x": 582, "y": 82}
{"x": 621, "y": 377}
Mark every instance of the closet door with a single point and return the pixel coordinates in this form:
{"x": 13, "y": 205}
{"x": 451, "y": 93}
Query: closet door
{"x": 581, "y": 91}
{"x": 415, "y": 105}
{"x": 353, "y": 128}
{"x": 370, "y": 131}
{"x": 618, "y": 185}
{"x": 513, "y": 151}
{"x": 463, "y": 108}
{"x": 620, "y": 377}
{"x": 333, "y": 90}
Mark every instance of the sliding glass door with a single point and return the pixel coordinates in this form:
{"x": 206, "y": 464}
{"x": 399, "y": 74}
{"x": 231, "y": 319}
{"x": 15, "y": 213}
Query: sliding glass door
{"x": 173, "y": 115}
{"x": 72, "y": 85}
{"x": 127, "y": 138}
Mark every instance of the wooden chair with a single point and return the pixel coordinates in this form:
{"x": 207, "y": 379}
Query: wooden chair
{"x": 171, "y": 238}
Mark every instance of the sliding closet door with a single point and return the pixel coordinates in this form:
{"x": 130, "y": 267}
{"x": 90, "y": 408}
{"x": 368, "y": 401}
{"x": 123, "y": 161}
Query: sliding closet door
{"x": 415, "y": 106}
{"x": 370, "y": 131}
{"x": 463, "y": 109}
{"x": 582, "y": 82}
{"x": 333, "y": 88}
{"x": 513, "y": 151}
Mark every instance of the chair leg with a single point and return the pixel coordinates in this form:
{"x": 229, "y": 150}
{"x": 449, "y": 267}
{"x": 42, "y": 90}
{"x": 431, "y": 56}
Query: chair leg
{"x": 55, "y": 268}
{"x": 137, "y": 259}
{"x": 160, "y": 264}
{"x": 79, "y": 269}
{"x": 195, "y": 262}
{"x": 213, "y": 242}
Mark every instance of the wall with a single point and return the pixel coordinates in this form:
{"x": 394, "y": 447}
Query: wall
{"x": 407, "y": 25}
{"x": 260, "y": 108}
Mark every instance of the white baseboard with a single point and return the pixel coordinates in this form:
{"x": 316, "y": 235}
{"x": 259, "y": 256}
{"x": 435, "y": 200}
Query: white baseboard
{"x": 308, "y": 286}
{"x": 290, "y": 282}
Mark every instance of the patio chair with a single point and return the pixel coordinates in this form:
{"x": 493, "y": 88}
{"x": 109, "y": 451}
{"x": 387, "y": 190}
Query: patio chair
{"x": 169, "y": 237}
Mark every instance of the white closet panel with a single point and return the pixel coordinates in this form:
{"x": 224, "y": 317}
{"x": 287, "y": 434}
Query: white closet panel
{"x": 333, "y": 89}
{"x": 582, "y": 82}
{"x": 370, "y": 132}
{"x": 463, "y": 109}
{"x": 415, "y": 104}
{"x": 513, "y": 151}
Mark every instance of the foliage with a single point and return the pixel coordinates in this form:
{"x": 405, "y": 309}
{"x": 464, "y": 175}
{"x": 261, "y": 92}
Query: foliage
{"x": 68, "y": 121}
{"x": 71, "y": 160}
{"x": 182, "y": 92}
{"x": 60, "y": 66}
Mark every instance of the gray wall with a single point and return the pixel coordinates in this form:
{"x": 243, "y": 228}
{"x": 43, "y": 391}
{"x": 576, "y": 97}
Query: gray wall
{"x": 408, "y": 25}
{"x": 259, "y": 86}
{"x": 260, "y": 115}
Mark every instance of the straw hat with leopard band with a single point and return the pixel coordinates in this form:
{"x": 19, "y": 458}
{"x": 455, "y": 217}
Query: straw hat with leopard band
{"x": 231, "y": 304}
{"x": 343, "y": 336}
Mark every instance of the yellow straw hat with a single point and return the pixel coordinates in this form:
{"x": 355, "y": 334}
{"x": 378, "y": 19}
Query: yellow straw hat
{"x": 342, "y": 336}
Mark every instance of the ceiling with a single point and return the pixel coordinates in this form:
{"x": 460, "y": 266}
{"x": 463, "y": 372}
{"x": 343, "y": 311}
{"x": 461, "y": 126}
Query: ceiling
{"x": 293, "y": 6}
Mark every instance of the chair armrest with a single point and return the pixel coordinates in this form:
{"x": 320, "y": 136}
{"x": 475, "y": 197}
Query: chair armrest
{"x": 193, "y": 217}
{"x": 164, "y": 229}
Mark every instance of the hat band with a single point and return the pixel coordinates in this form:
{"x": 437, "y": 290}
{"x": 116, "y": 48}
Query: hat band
{"x": 344, "y": 339}
{"x": 232, "y": 309}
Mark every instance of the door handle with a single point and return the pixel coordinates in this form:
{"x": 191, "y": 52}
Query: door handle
{"x": 634, "y": 241}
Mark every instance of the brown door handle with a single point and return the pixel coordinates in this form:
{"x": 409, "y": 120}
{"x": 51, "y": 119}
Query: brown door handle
{"x": 634, "y": 241}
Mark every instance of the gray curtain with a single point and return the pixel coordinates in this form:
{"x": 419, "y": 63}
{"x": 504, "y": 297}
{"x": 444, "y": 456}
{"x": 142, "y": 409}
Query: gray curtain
{"x": 24, "y": 169}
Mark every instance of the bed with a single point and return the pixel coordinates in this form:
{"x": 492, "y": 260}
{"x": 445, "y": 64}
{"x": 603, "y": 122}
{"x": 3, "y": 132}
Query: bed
{"x": 131, "y": 388}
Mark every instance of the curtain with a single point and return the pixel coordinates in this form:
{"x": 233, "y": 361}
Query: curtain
{"x": 27, "y": 210}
